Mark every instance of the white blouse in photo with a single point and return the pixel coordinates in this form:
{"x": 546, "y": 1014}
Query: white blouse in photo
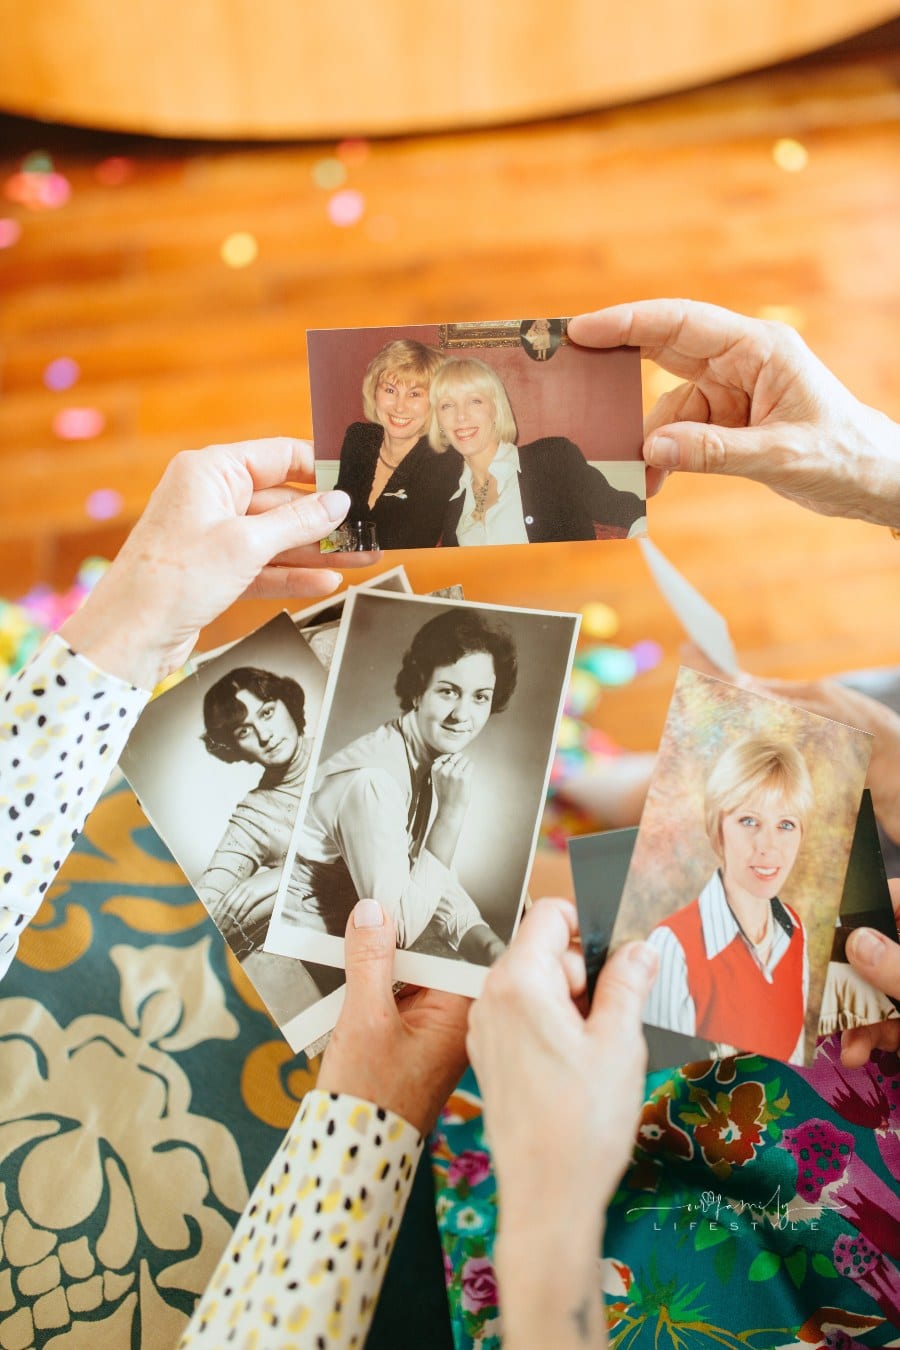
{"x": 503, "y": 523}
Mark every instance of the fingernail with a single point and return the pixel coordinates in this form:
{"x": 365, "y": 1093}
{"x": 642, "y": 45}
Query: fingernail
{"x": 336, "y": 504}
{"x": 867, "y": 945}
{"x": 662, "y": 452}
{"x": 645, "y": 956}
{"x": 368, "y": 914}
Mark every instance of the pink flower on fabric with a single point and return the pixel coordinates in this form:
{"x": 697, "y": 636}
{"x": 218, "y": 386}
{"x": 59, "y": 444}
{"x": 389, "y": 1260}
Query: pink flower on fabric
{"x": 479, "y": 1284}
{"x": 448, "y": 1270}
{"x": 471, "y": 1166}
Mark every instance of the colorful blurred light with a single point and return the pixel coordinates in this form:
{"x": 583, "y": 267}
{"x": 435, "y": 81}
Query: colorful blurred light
{"x": 239, "y": 249}
{"x": 329, "y": 173}
{"x": 647, "y": 655}
{"x": 790, "y": 155}
{"x": 104, "y": 504}
{"x": 346, "y": 207}
{"x": 599, "y": 620}
{"x": 115, "y": 170}
{"x": 10, "y": 232}
{"x": 78, "y": 424}
{"x": 353, "y": 151}
{"x": 61, "y": 373}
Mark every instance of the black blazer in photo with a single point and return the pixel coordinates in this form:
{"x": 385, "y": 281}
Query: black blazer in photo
{"x": 410, "y": 511}
{"x": 563, "y": 496}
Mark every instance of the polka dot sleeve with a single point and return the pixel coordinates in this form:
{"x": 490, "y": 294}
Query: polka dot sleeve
{"x": 305, "y": 1263}
{"x": 63, "y": 725}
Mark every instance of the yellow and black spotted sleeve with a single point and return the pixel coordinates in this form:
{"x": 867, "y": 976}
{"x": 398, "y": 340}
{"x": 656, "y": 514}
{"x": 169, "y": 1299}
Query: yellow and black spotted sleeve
{"x": 63, "y": 725}
{"x": 306, "y": 1261}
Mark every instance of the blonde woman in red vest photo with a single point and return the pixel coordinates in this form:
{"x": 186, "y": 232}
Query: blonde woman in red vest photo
{"x": 733, "y": 963}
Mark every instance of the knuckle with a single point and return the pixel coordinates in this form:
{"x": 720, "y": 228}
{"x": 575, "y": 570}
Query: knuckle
{"x": 711, "y": 451}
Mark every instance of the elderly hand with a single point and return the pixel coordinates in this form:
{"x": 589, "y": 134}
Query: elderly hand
{"x": 406, "y": 1054}
{"x": 221, "y": 524}
{"x": 561, "y": 1096}
{"x": 876, "y": 959}
{"x": 756, "y": 403}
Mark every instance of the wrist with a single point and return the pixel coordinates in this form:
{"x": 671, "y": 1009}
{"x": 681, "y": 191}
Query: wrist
{"x": 119, "y": 637}
{"x": 547, "y": 1300}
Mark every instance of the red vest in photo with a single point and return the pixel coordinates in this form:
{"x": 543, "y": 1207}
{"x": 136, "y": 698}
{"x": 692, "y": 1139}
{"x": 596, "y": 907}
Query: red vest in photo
{"x": 733, "y": 999}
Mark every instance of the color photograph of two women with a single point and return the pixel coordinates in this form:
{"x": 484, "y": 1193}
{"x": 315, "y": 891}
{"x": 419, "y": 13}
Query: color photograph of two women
{"x": 467, "y": 434}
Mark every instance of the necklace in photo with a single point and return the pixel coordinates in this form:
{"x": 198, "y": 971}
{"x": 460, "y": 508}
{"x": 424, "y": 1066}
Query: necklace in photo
{"x": 479, "y": 497}
{"x": 387, "y": 464}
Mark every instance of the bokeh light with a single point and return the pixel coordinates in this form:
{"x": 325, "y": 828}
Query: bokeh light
{"x": 104, "y": 504}
{"x": 239, "y": 249}
{"x": 346, "y": 207}
{"x": 78, "y": 424}
{"x": 61, "y": 373}
{"x": 329, "y": 173}
{"x": 790, "y": 155}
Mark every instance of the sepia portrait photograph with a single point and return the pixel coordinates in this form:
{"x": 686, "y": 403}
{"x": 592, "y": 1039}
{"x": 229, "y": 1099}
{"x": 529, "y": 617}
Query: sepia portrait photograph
{"x": 218, "y": 764}
{"x": 739, "y": 865}
{"x": 427, "y": 783}
{"x": 470, "y": 434}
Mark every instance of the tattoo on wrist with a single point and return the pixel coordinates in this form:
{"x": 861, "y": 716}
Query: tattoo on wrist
{"x": 581, "y": 1316}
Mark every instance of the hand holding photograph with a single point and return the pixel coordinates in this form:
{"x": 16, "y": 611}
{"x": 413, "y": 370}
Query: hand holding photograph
{"x": 739, "y": 865}
{"x": 477, "y": 433}
{"x": 427, "y": 782}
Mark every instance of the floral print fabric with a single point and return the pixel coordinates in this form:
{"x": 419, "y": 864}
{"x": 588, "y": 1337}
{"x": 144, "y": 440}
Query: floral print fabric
{"x": 761, "y": 1208}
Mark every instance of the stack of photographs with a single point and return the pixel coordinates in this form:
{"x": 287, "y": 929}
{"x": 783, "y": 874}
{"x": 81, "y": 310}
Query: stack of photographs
{"x": 379, "y": 745}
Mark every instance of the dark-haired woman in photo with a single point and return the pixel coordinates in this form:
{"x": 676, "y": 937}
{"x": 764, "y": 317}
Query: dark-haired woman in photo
{"x": 387, "y": 811}
{"x": 254, "y": 716}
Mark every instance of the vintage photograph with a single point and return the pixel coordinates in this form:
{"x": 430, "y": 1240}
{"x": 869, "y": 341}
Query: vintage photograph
{"x": 477, "y": 433}
{"x": 849, "y": 1000}
{"x": 218, "y": 764}
{"x": 739, "y": 865}
{"x": 427, "y": 782}
{"x": 600, "y": 865}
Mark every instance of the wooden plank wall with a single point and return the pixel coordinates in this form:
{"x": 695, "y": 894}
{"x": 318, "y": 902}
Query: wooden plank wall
{"x": 681, "y": 195}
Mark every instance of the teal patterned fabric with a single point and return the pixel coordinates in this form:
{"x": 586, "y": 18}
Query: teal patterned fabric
{"x": 143, "y": 1089}
{"x": 761, "y": 1209}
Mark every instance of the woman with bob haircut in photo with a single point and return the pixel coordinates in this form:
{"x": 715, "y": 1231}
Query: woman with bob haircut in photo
{"x": 257, "y": 717}
{"x": 542, "y": 492}
{"x": 387, "y": 811}
{"x": 733, "y": 963}
{"x": 394, "y": 478}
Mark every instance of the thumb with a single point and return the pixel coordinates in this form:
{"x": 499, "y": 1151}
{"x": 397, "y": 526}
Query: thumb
{"x": 698, "y": 447}
{"x": 622, "y": 988}
{"x": 876, "y": 958}
{"x": 304, "y": 519}
{"x": 369, "y": 947}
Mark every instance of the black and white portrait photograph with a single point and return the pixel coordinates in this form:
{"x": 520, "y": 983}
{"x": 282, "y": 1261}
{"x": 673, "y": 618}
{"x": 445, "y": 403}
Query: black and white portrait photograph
{"x": 218, "y": 764}
{"x": 469, "y": 434}
{"x": 428, "y": 782}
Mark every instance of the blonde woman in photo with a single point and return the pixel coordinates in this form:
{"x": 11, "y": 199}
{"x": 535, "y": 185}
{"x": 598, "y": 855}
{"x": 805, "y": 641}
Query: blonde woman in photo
{"x": 395, "y": 479}
{"x": 733, "y": 963}
{"x": 541, "y": 492}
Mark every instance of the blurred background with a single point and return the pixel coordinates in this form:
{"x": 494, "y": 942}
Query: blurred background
{"x": 185, "y": 194}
